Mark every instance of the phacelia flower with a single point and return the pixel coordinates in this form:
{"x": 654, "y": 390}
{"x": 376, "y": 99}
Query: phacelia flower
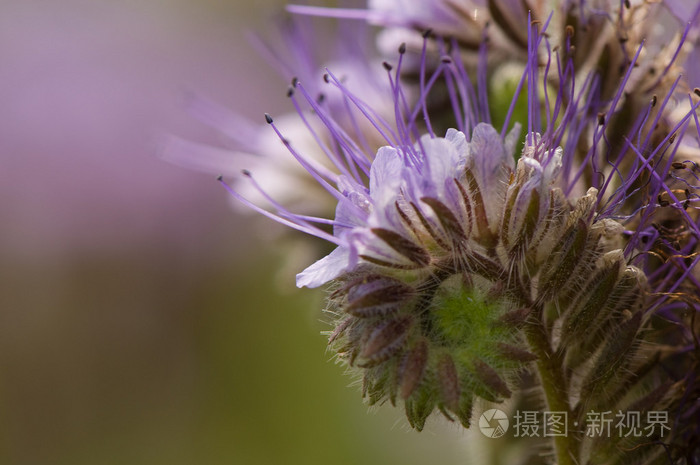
{"x": 468, "y": 256}
{"x": 460, "y": 248}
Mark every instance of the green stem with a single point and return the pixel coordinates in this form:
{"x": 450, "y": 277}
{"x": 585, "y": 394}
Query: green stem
{"x": 549, "y": 367}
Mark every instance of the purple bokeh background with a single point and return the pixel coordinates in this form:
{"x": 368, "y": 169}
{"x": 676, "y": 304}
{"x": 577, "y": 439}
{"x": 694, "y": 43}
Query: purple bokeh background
{"x": 86, "y": 89}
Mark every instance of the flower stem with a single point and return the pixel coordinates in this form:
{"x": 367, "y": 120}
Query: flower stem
{"x": 549, "y": 367}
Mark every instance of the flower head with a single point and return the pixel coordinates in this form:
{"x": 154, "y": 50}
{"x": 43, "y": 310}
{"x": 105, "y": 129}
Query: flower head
{"x": 452, "y": 259}
{"x": 468, "y": 255}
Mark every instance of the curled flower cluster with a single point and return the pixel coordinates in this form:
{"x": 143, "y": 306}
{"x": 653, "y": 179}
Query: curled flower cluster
{"x": 464, "y": 261}
{"x": 460, "y": 250}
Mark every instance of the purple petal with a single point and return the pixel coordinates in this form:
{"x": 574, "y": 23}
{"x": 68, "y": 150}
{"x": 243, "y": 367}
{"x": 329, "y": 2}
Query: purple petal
{"x": 458, "y": 140}
{"x": 487, "y": 159}
{"x": 512, "y": 139}
{"x": 488, "y": 154}
{"x": 385, "y": 180}
{"x": 443, "y": 157}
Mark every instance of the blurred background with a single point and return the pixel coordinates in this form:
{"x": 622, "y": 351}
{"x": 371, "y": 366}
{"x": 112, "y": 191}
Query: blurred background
{"x": 140, "y": 318}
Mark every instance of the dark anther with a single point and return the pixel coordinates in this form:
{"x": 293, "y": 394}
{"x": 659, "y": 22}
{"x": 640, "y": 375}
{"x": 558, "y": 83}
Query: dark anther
{"x": 601, "y": 118}
{"x": 402, "y": 48}
{"x": 662, "y": 202}
{"x": 387, "y": 66}
{"x": 295, "y": 81}
{"x": 220, "y": 177}
{"x": 686, "y": 204}
{"x": 326, "y": 78}
{"x": 246, "y": 173}
{"x": 687, "y": 193}
{"x": 569, "y": 30}
{"x": 628, "y": 4}
{"x": 653, "y": 100}
{"x": 696, "y": 91}
{"x": 321, "y": 98}
{"x": 290, "y": 91}
{"x": 427, "y": 33}
{"x": 677, "y": 165}
{"x": 644, "y": 239}
{"x": 623, "y": 39}
{"x": 446, "y": 59}
{"x": 673, "y": 138}
{"x": 268, "y": 118}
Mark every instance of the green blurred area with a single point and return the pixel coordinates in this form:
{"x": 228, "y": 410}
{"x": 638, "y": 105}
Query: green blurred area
{"x": 125, "y": 360}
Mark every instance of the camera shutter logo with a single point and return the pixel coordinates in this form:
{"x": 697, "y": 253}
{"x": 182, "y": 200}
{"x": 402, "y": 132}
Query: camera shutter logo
{"x": 493, "y": 423}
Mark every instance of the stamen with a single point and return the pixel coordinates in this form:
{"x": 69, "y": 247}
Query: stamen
{"x": 450, "y": 83}
{"x": 350, "y": 149}
{"x": 422, "y": 101}
{"x": 484, "y": 113}
{"x": 547, "y": 106}
{"x": 662, "y": 185}
{"x": 590, "y": 156}
{"x": 377, "y": 121}
{"x": 301, "y": 219}
{"x": 469, "y": 96}
{"x": 660, "y": 111}
{"x": 299, "y": 227}
{"x": 423, "y": 91}
{"x": 401, "y": 127}
{"x": 402, "y": 118}
{"x": 334, "y": 157}
{"x": 311, "y": 167}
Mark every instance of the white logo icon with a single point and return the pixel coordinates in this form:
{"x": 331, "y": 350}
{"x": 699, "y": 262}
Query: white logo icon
{"x": 493, "y": 423}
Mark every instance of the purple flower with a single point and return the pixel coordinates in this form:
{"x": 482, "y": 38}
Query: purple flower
{"x": 462, "y": 259}
{"x": 400, "y": 181}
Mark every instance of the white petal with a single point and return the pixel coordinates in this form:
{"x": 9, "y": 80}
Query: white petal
{"x": 385, "y": 172}
{"x": 329, "y": 267}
